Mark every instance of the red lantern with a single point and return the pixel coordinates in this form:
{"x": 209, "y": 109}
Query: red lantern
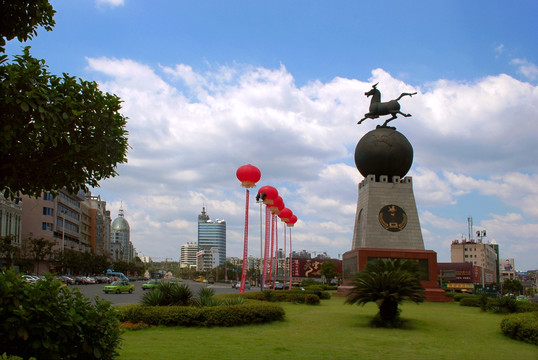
{"x": 291, "y": 222}
{"x": 249, "y": 175}
{"x": 270, "y": 194}
{"x": 285, "y": 214}
{"x": 278, "y": 204}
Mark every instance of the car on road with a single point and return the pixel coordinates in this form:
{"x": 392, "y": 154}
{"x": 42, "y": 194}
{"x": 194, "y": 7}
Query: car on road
{"x": 238, "y": 285}
{"x": 118, "y": 287}
{"x": 280, "y": 286}
{"x": 151, "y": 284}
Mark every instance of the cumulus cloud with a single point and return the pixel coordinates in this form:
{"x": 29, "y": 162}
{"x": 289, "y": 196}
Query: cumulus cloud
{"x": 189, "y": 132}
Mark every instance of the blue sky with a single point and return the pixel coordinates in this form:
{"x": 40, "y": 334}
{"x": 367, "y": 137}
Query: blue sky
{"x": 209, "y": 86}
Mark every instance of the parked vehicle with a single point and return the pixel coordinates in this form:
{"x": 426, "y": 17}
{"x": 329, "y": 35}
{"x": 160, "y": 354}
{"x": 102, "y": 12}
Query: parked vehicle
{"x": 30, "y": 278}
{"x": 119, "y": 286}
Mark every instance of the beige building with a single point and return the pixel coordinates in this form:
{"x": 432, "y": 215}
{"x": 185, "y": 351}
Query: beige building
{"x": 476, "y": 253}
{"x": 60, "y": 219}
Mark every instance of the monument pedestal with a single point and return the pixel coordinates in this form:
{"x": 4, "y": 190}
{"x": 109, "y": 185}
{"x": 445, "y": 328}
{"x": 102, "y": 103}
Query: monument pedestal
{"x": 355, "y": 260}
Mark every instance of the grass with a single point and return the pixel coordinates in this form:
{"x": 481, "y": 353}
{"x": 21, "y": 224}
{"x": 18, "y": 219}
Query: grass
{"x": 333, "y": 330}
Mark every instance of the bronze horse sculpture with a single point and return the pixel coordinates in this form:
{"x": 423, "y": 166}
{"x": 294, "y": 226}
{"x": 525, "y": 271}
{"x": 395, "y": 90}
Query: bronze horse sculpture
{"x": 378, "y": 108}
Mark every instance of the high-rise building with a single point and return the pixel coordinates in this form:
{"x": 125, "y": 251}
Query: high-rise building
{"x": 212, "y": 234}
{"x": 188, "y": 255}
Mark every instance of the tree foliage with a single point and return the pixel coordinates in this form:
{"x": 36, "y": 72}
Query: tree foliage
{"x": 20, "y": 19}
{"x": 56, "y": 131}
{"x": 510, "y": 286}
{"x": 329, "y": 270}
{"x": 387, "y": 282}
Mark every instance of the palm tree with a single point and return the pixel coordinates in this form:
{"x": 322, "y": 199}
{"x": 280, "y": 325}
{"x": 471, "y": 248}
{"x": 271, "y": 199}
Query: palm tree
{"x": 387, "y": 282}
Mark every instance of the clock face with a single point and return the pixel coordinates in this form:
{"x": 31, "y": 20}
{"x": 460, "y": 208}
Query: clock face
{"x": 392, "y": 218}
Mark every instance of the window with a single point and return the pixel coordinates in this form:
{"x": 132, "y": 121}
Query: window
{"x": 46, "y": 226}
{"x": 48, "y": 211}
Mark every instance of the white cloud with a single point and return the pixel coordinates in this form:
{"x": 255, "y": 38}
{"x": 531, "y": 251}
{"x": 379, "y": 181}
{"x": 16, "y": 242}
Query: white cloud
{"x": 526, "y": 68}
{"x": 111, "y": 3}
{"x": 188, "y": 139}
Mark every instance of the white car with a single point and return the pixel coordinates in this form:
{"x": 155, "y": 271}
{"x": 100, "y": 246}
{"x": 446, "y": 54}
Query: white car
{"x": 30, "y": 278}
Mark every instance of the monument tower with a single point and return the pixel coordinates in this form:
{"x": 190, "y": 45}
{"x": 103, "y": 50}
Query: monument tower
{"x": 386, "y": 222}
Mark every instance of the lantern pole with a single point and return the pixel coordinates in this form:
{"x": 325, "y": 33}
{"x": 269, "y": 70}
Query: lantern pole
{"x": 291, "y": 256}
{"x": 245, "y": 248}
{"x": 267, "y": 241}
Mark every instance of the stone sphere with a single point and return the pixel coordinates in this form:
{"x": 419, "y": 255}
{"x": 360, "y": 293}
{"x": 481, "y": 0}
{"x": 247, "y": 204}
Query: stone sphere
{"x": 384, "y": 151}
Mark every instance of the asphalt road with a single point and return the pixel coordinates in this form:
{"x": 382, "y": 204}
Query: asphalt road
{"x": 93, "y": 290}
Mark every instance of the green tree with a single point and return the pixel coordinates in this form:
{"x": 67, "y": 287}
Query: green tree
{"x": 38, "y": 250}
{"x": 8, "y": 250}
{"x": 21, "y": 19}
{"x": 55, "y": 132}
{"x": 387, "y": 282}
{"x": 512, "y": 287}
{"x": 329, "y": 270}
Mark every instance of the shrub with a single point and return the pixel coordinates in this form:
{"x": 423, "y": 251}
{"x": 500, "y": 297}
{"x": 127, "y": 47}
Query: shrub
{"x": 249, "y": 313}
{"x": 458, "y": 296}
{"x": 521, "y": 327}
{"x": 522, "y": 307}
{"x": 311, "y": 299}
{"x": 503, "y": 305}
{"x": 166, "y": 294}
{"x": 49, "y": 321}
{"x": 474, "y": 301}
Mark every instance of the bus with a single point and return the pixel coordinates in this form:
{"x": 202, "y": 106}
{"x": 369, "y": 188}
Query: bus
{"x": 113, "y": 275}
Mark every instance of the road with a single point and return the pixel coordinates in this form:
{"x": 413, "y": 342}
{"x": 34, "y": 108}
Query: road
{"x": 93, "y": 290}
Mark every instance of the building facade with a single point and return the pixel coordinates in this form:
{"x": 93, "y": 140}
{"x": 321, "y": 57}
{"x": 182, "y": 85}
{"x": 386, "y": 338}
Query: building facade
{"x": 100, "y": 225}
{"x": 58, "y": 219}
{"x": 477, "y": 253}
{"x": 121, "y": 247}
{"x": 212, "y": 235}
{"x": 188, "y": 255}
{"x": 10, "y": 218}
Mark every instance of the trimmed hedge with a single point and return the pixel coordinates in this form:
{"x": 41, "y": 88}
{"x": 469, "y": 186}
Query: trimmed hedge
{"x": 234, "y": 315}
{"x": 522, "y": 327}
{"x": 295, "y": 296}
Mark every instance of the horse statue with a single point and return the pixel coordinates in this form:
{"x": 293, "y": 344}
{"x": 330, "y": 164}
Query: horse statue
{"x": 378, "y": 108}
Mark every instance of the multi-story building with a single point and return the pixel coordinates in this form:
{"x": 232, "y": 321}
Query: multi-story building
{"x": 207, "y": 259}
{"x": 56, "y": 218}
{"x": 212, "y": 234}
{"x": 477, "y": 253}
{"x": 188, "y": 255}
{"x": 100, "y": 225}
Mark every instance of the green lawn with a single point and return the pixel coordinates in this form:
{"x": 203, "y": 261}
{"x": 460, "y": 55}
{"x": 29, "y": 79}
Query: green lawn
{"x": 333, "y": 330}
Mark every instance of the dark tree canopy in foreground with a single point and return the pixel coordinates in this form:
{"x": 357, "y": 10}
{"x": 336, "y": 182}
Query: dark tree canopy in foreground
{"x": 55, "y": 131}
{"x": 20, "y": 19}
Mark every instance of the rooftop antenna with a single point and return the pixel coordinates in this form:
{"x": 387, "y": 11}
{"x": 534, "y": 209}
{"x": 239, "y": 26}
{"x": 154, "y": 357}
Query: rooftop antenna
{"x": 470, "y": 227}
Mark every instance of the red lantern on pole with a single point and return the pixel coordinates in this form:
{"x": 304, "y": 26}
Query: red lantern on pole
{"x": 270, "y": 194}
{"x": 278, "y": 204}
{"x": 248, "y": 175}
{"x": 291, "y": 222}
{"x": 285, "y": 214}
